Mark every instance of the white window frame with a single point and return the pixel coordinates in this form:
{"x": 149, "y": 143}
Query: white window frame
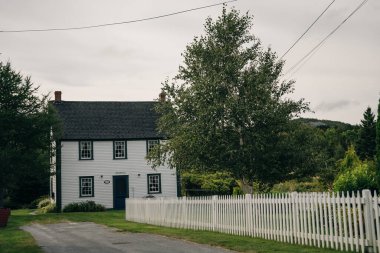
{"x": 152, "y": 177}
{"x": 88, "y": 183}
{"x": 89, "y": 149}
{"x": 116, "y": 150}
{"x": 150, "y": 144}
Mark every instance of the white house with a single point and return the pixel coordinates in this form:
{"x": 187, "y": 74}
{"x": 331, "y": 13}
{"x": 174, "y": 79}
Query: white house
{"x": 101, "y": 153}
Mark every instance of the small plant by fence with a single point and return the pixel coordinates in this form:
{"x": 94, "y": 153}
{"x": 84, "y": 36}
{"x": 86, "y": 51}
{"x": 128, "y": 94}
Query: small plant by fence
{"x": 348, "y": 222}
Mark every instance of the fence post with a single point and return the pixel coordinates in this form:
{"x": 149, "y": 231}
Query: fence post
{"x": 248, "y": 215}
{"x": 185, "y": 220}
{"x": 214, "y": 211}
{"x": 294, "y": 208}
{"x": 162, "y": 212}
{"x": 368, "y": 220}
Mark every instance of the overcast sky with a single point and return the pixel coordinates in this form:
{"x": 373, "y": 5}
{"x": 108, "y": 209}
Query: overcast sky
{"x": 129, "y": 62}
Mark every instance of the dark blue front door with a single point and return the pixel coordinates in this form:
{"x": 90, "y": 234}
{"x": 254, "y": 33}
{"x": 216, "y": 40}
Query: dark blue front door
{"x": 120, "y": 191}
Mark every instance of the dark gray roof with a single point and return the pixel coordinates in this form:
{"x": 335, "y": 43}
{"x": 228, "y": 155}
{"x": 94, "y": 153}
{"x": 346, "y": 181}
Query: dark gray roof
{"x": 107, "y": 120}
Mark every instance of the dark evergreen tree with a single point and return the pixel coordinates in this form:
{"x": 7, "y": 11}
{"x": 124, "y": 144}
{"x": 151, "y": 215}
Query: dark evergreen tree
{"x": 25, "y": 125}
{"x": 366, "y": 145}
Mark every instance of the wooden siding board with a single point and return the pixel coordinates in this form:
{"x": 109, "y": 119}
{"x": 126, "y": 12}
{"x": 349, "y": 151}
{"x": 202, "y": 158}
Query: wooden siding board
{"x": 103, "y": 167}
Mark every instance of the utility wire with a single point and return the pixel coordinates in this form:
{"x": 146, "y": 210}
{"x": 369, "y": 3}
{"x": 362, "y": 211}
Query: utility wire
{"x": 114, "y": 23}
{"x": 306, "y": 60}
{"x": 331, "y": 33}
{"x": 315, "y": 21}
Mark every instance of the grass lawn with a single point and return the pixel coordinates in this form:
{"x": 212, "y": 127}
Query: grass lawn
{"x": 14, "y": 240}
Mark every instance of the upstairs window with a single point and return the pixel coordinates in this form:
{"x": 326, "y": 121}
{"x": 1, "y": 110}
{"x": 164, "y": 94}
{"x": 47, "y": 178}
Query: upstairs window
{"x": 150, "y": 144}
{"x": 154, "y": 183}
{"x": 85, "y": 150}
{"x": 120, "y": 150}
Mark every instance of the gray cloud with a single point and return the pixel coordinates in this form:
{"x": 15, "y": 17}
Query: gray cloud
{"x": 129, "y": 62}
{"x": 336, "y": 105}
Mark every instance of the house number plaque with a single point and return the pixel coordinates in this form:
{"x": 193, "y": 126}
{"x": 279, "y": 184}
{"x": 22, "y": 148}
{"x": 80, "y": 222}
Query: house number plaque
{"x": 107, "y": 181}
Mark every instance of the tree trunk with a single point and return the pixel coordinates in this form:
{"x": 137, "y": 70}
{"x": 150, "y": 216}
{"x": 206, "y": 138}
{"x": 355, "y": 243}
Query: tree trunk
{"x": 1, "y": 197}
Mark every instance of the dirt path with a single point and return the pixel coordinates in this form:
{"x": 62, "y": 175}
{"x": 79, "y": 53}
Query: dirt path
{"x": 86, "y": 237}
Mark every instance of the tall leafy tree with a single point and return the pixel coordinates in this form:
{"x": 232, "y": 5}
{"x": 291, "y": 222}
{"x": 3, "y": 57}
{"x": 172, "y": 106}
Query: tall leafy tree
{"x": 366, "y": 146}
{"x": 227, "y": 109}
{"x": 25, "y": 125}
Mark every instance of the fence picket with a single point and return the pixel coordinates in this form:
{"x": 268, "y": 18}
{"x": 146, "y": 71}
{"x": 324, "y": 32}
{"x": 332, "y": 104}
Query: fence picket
{"x": 318, "y": 216}
{"x": 338, "y": 235}
{"x": 345, "y": 237}
{"x": 343, "y": 221}
{"x": 376, "y": 207}
{"x": 361, "y": 229}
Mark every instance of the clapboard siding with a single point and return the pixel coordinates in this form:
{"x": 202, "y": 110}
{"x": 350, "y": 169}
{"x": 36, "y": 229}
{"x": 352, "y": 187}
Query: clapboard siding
{"x": 103, "y": 167}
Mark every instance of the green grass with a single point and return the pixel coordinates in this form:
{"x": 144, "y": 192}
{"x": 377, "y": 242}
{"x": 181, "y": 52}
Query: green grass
{"x": 13, "y": 240}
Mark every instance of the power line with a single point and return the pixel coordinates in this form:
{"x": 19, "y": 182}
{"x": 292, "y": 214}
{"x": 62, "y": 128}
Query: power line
{"x": 306, "y": 60}
{"x": 114, "y": 23}
{"x": 331, "y": 33}
{"x": 315, "y": 21}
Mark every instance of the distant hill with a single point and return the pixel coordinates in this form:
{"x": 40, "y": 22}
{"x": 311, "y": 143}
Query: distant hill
{"x": 324, "y": 124}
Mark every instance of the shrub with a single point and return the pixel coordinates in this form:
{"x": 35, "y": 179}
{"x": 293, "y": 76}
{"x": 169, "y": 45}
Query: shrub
{"x": 84, "y": 206}
{"x": 355, "y": 175}
{"x": 298, "y": 186}
{"x": 43, "y": 203}
{"x": 50, "y": 208}
{"x": 196, "y": 183}
{"x": 34, "y": 203}
{"x": 361, "y": 177}
{"x": 237, "y": 191}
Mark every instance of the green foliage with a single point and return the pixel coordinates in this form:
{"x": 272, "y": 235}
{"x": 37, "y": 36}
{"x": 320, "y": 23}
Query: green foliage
{"x": 326, "y": 143}
{"x": 350, "y": 160}
{"x": 378, "y": 143}
{"x": 25, "y": 125}
{"x": 45, "y": 205}
{"x": 200, "y": 184}
{"x": 237, "y": 191}
{"x": 325, "y": 124}
{"x": 355, "y": 175}
{"x": 366, "y": 145}
{"x": 50, "y": 208}
{"x": 34, "y": 203}
{"x": 313, "y": 185}
{"x": 44, "y": 202}
{"x": 336, "y": 142}
{"x": 84, "y": 206}
{"x": 227, "y": 108}
{"x": 360, "y": 177}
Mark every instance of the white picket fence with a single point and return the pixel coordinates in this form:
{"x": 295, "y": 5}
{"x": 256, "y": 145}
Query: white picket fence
{"x": 347, "y": 222}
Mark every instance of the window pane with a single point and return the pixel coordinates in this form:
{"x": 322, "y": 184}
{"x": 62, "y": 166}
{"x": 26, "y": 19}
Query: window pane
{"x": 85, "y": 150}
{"x": 86, "y": 184}
{"x": 154, "y": 184}
{"x": 119, "y": 149}
{"x": 151, "y": 144}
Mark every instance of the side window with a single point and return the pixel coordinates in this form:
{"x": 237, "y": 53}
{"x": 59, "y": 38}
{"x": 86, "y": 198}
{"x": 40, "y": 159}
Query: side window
{"x": 154, "y": 183}
{"x": 150, "y": 144}
{"x": 86, "y": 186}
{"x": 85, "y": 150}
{"x": 120, "y": 150}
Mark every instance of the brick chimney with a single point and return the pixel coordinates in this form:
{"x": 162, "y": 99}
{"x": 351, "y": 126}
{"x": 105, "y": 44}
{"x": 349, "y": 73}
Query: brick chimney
{"x": 57, "y": 96}
{"x": 162, "y": 96}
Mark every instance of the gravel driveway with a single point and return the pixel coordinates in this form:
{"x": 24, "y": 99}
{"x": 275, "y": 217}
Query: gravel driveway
{"x": 86, "y": 237}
